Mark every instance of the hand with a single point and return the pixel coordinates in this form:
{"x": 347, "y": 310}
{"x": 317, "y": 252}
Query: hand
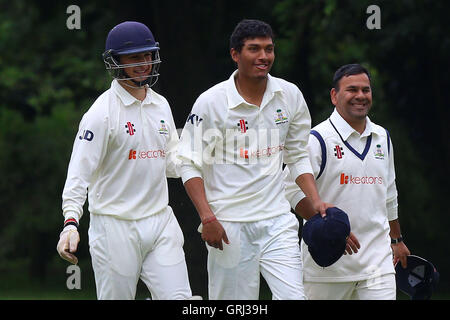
{"x": 213, "y": 233}
{"x": 321, "y": 207}
{"x": 68, "y": 243}
{"x": 352, "y": 244}
{"x": 401, "y": 252}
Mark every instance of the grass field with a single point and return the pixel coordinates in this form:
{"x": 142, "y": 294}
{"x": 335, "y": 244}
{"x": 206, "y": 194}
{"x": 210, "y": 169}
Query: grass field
{"x": 16, "y": 287}
{"x": 38, "y": 292}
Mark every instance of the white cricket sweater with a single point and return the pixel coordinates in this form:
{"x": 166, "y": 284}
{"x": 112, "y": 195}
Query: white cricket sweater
{"x": 238, "y": 148}
{"x": 359, "y": 178}
{"x": 122, "y": 154}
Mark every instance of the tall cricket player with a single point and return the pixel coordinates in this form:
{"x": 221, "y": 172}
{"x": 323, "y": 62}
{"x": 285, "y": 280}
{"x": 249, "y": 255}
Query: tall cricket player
{"x": 232, "y": 146}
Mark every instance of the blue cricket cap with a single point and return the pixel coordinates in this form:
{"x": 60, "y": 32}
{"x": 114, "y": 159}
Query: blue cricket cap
{"x": 418, "y": 280}
{"x": 326, "y": 237}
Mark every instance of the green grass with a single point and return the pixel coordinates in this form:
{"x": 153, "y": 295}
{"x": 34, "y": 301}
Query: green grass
{"x": 47, "y": 293}
{"x": 37, "y": 290}
{"x": 15, "y": 286}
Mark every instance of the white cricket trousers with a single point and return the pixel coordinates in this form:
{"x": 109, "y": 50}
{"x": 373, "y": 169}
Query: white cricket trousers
{"x": 151, "y": 249}
{"x": 270, "y": 247}
{"x": 382, "y": 287}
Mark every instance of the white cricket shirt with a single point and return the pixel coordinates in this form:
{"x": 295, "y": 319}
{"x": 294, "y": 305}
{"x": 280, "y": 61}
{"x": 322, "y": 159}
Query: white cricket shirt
{"x": 359, "y": 178}
{"x": 238, "y": 148}
{"x": 123, "y": 152}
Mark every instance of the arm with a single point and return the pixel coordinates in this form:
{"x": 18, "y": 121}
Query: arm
{"x": 399, "y": 249}
{"x": 301, "y": 203}
{"x": 301, "y": 189}
{"x": 296, "y": 154}
{"x": 191, "y": 154}
{"x": 212, "y": 231}
{"x": 172, "y": 162}
{"x": 305, "y": 209}
{"x": 88, "y": 151}
{"x": 196, "y": 192}
{"x": 307, "y": 183}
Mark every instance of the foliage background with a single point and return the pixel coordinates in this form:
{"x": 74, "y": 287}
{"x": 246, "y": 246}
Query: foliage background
{"x": 50, "y": 76}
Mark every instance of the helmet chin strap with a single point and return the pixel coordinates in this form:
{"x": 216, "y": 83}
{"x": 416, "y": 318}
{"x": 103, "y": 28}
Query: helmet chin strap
{"x": 139, "y": 84}
{"x": 124, "y": 82}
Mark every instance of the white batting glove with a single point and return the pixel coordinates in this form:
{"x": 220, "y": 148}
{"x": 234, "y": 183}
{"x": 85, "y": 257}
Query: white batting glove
{"x": 68, "y": 243}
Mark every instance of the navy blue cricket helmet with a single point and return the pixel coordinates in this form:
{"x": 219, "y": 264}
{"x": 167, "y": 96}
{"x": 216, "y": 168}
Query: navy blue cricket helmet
{"x": 418, "y": 280}
{"x": 127, "y": 38}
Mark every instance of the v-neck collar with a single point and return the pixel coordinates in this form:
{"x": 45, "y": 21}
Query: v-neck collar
{"x": 362, "y": 155}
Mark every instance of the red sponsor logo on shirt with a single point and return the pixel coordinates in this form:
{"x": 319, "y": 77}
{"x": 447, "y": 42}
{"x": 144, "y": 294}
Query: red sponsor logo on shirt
{"x": 243, "y": 153}
{"x": 349, "y": 179}
{"x": 263, "y": 152}
{"x": 146, "y": 154}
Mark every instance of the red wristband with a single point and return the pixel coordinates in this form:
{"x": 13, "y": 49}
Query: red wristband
{"x": 208, "y": 220}
{"x": 71, "y": 221}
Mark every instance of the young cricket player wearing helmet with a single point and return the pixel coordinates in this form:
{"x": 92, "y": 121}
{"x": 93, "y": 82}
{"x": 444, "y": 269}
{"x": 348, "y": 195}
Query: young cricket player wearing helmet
{"x": 122, "y": 155}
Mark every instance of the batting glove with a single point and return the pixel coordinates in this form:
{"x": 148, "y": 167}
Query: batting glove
{"x": 68, "y": 243}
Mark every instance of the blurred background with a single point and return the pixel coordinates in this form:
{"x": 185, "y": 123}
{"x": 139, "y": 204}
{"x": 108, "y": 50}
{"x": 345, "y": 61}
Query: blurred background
{"x": 51, "y": 74}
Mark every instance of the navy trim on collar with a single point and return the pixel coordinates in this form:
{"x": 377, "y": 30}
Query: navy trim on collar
{"x": 359, "y": 155}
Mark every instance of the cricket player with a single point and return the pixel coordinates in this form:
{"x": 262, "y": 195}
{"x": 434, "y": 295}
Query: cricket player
{"x": 232, "y": 148}
{"x": 353, "y": 162}
{"x": 123, "y": 153}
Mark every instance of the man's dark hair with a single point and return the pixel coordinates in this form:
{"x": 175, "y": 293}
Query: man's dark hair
{"x": 249, "y": 29}
{"x": 348, "y": 70}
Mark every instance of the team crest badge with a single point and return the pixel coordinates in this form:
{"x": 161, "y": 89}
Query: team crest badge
{"x": 280, "y": 117}
{"x": 379, "y": 154}
{"x": 163, "y": 128}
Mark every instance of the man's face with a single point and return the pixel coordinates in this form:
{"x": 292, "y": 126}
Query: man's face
{"x": 354, "y": 98}
{"x": 139, "y": 73}
{"x": 256, "y": 57}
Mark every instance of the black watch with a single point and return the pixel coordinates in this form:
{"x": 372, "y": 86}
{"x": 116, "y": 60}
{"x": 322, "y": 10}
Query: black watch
{"x": 398, "y": 240}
